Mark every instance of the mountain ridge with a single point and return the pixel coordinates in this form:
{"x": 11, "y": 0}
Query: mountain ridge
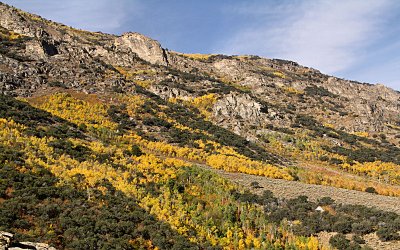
{"x": 13, "y": 10}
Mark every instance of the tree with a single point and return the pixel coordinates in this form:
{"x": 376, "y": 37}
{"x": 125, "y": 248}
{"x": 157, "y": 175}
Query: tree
{"x": 343, "y": 225}
{"x": 387, "y": 233}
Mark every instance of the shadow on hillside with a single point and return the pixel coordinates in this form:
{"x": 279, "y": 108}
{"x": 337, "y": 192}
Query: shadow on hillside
{"x": 36, "y": 208}
{"x": 39, "y": 122}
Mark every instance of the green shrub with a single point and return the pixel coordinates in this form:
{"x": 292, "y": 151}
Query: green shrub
{"x": 387, "y": 233}
{"x": 370, "y": 190}
{"x": 343, "y": 225}
{"x": 320, "y": 91}
{"x": 357, "y": 239}
{"x": 339, "y": 241}
{"x": 324, "y": 201}
{"x": 57, "y": 84}
{"x": 79, "y": 152}
{"x": 134, "y": 151}
{"x": 362, "y": 227}
{"x": 255, "y": 184}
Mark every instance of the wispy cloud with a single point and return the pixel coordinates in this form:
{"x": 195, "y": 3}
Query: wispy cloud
{"x": 94, "y": 15}
{"x": 328, "y": 35}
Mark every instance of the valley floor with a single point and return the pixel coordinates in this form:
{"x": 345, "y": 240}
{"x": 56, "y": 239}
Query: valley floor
{"x": 291, "y": 189}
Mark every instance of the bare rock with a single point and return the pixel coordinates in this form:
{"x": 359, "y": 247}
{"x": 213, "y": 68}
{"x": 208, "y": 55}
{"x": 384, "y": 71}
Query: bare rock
{"x": 7, "y": 242}
{"x": 26, "y": 24}
{"x": 241, "y": 106}
{"x": 31, "y": 245}
{"x": 146, "y": 48}
{"x": 167, "y": 92}
{"x": 35, "y": 49}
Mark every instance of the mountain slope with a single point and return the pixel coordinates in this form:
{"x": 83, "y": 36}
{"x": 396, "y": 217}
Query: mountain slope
{"x": 121, "y": 116}
{"x": 300, "y": 116}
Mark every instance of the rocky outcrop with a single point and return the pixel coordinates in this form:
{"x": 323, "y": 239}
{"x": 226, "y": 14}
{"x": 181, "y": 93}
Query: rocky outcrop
{"x": 11, "y": 19}
{"x": 371, "y": 105}
{"x": 35, "y": 50}
{"x": 7, "y": 242}
{"x": 146, "y": 48}
{"x": 237, "y": 106}
{"x": 30, "y": 25}
{"x": 167, "y": 92}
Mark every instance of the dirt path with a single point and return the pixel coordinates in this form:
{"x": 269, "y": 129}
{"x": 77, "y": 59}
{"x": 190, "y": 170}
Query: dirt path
{"x": 292, "y": 189}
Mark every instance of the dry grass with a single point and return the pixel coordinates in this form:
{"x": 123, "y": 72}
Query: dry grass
{"x": 292, "y": 189}
{"x": 371, "y": 240}
{"x": 201, "y": 57}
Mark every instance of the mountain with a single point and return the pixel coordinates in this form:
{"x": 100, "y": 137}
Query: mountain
{"x": 115, "y": 142}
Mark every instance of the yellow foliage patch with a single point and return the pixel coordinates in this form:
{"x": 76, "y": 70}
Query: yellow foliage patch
{"x": 328, "y": 125}
{"x": 279, "y": 74}
{"x": 75, "y": 110}
{"x": 197, "y": 56}
{"x": 204, "y": 103}
{"x": 292, "y": 90}
{"x": 361, "y": 133}
{"x": 144, "y": 83}
{"x": 9, "y": 35}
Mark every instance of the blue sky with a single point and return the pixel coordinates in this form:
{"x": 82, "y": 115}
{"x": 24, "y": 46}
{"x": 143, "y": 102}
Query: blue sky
{"x": 354, "y": 39}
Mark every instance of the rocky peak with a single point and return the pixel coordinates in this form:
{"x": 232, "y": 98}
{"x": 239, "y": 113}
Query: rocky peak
{"x": 27, "y": 24}
{"x": 146, "y": 48}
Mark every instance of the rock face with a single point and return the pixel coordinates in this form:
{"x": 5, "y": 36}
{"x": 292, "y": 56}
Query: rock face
{"x": 146, "y": 48}
{"x": 242, "y": 106}
{"x": 7, "y": 242}
{"x": 167, "y": 92}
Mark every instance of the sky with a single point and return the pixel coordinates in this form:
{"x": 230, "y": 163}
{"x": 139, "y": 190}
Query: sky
{"x": 352, "y": 39}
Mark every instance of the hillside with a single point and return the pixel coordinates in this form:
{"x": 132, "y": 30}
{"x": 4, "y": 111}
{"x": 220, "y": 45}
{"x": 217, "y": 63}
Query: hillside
{"x": 100, "y": 136}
